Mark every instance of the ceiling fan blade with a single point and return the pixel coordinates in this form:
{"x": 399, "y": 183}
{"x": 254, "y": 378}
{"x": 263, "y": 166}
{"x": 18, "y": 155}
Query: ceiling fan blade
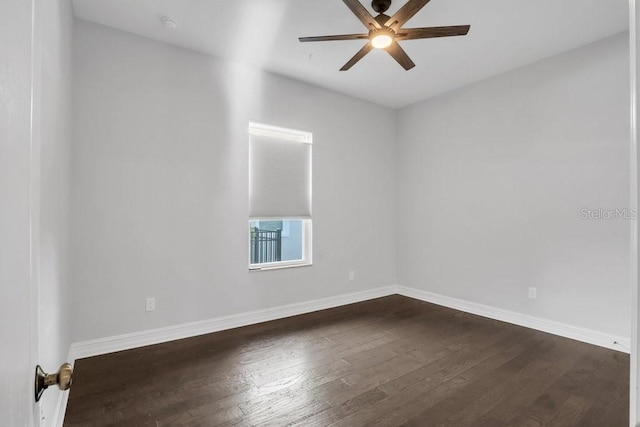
{"x": 400, "y": 55}
{"x": 363, "y": 14}
{"x": 357, "y": 57}
{"x": 432, "y": 32}
{"x": 405, "y": 13}
{"x": 337, "y": 37}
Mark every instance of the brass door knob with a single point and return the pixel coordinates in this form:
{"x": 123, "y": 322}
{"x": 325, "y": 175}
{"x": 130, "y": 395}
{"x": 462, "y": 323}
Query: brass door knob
{"x": 43, "y": 380}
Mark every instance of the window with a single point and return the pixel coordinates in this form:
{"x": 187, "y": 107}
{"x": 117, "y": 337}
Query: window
{"x": 279, "y": 197}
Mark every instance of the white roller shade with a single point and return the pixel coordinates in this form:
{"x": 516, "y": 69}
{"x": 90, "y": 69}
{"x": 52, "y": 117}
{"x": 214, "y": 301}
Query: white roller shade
{"x": 279, "y": 175}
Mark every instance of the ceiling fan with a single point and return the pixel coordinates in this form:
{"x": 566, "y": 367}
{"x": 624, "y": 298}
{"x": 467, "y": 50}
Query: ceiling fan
{"x": 385, "y": 31}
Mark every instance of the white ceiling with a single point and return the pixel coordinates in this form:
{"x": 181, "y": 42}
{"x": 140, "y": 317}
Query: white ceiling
{"x": 505, "y": 34}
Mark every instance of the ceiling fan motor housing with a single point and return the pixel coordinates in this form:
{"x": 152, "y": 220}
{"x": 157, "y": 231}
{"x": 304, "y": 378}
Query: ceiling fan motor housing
{"x": 380, "y": 6}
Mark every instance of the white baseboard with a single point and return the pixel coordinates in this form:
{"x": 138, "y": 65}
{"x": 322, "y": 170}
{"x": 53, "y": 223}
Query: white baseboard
{"x": 621, "y": 344}
{"x": 186, "y": 330}
{"x": 156, "y": 336}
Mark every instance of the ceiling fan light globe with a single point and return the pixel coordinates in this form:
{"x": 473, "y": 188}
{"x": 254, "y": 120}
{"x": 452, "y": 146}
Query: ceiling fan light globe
{"x": 381, "y": 41}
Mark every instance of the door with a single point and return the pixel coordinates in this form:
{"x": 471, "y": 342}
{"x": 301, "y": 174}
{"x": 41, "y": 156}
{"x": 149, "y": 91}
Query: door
{"x": 18, "y": 283}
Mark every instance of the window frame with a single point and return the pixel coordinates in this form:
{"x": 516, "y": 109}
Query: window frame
{"x": 263, "y": 130}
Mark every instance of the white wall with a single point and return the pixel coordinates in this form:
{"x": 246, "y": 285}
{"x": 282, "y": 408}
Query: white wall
{"x": 492, "y": 180}
{"x": 53, "y": 105}
{"x": 160, "y": 186}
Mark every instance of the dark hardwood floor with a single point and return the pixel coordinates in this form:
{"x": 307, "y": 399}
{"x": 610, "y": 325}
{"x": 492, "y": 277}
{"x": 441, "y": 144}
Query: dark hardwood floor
{"x": 391, "y": 361}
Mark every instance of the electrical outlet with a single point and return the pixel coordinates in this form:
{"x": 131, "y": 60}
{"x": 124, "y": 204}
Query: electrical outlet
{"x": 150, "y": 303}
{"x": 352, "y": 275}
{"x": 533, "y": 292}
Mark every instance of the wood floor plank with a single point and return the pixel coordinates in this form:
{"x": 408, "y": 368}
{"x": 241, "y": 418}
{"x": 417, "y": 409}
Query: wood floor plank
{"x": 570, "y": 412}
{"x": 519, "y": 400}
{"x": 469, "y": 401}
{"x": 547, "y": 404}
{"x": 408, "y": 402}
{"x": 335, "y": 413}
{"x": 390, "y": 361}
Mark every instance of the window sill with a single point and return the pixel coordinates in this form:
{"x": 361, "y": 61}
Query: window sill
{"x": 280, "y": 267}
